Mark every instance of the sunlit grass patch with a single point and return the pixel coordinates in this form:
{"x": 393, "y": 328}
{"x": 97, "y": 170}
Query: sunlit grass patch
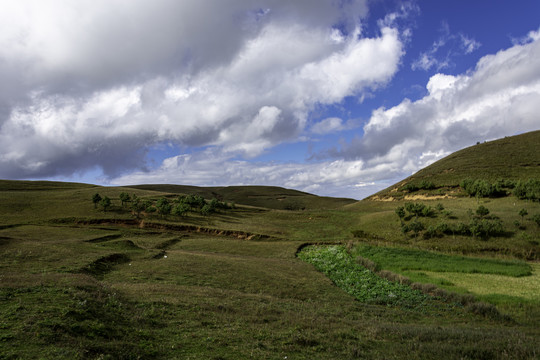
{"x": 398, "y": 259}
{"x": 526, "y": 287}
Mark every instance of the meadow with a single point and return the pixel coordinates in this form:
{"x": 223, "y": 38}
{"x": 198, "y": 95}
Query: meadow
{"x": 80, "y": 283}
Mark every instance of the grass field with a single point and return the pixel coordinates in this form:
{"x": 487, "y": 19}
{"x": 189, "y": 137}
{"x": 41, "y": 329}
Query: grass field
{"x": 78, "y": 282}
{"x": 182, "y": 295}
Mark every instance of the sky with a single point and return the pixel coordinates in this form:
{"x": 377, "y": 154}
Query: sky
{"x": 334, "y": 97}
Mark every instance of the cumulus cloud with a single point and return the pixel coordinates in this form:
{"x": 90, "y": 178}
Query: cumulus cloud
{"x": 501, "y": 96}
{"x": 96, "y": 83}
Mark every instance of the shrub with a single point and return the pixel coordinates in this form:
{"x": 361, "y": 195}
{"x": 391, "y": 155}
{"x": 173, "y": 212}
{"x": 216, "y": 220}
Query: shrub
{"x": 416, "y": 227}
{"x": 443, "y": 228}
{"x": 124, "y": 198}
{"x": 163, "y": 206}
{"x": 96, "y": 199}
{"x": 423, "y": 185}
{"x": 105, "y": 203}
{"x": 180, "y": 209}
{"x": 528, "y": 190}
{"x": 207, "y": 210}
{"x": 505, "y": 183}
{"x": 427, "y": 185}
{"x": 427, "y": 211}
{"x": 536, "y": 219}
{"x": 400, "y": 211}
{"x": 410, "y": 187}
{"x": 462, "y": 229}
{"x": 448, "y": 214}
{"x": 482, "y": 211}
{"x": 486, "y": 228}
{"x": 482, "y": 188}
{"x": 415, "y": 208}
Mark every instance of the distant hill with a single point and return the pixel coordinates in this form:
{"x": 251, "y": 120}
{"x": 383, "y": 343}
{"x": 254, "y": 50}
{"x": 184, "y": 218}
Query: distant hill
{"x": 27, "y": 185}
{"x": 511, "y": 158}
{"x": 270, "y": 197}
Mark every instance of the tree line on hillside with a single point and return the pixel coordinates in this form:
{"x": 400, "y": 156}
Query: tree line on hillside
{"x": 181, "y": 206}
{"x": 481, "y": 224}
{"x": 522, "y": 189}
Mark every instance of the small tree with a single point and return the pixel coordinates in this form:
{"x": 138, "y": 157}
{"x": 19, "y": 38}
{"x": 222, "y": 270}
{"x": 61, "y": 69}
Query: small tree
{"x": 137, "y": 205}
{"x": 124, "y": 198}
{"x": 415, "y": 209}
{"x": 105, "y": 203}
{"x": 482, "y": 211}
{"x": 163, "y": 206}
{"x": 523, "y": 213}
{"x": 206, "y": 210}
{"x": 96, "y": 199}
{"x": 180, "y": 209}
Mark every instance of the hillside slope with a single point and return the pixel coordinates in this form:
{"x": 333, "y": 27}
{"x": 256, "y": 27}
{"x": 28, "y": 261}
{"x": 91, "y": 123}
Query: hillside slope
{"x": 270, "y": 197}
{"x": 511, "y": 158}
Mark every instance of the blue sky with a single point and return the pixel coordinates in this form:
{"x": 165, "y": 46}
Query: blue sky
{"x": 339, "y": 98}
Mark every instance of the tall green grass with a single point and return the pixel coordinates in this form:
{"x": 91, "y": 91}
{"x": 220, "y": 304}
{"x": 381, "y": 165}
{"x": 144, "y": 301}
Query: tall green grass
{"x": 358, "y": 281}
{"x": 401, "y": 259}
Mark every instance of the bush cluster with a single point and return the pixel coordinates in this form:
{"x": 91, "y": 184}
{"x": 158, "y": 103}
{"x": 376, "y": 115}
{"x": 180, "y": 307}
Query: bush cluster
{"x": 528, "y": 190}
{"x": 478, "y": 228}
{"x": 423, "y": 185}
{"x": 180, "y": 206}
{"x": 483, "y": 188}
{"x": 419, "y": 209}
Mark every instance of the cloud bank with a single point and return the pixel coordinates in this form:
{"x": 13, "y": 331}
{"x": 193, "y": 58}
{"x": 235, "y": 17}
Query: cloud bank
{"x": 98, "y": 84}
{"x": 499, "y": 97}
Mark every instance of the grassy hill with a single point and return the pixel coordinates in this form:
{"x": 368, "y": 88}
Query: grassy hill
{"x": 511, "y": 158}
{"x": 79, "y": 282}
{"x": 270, "y": 197}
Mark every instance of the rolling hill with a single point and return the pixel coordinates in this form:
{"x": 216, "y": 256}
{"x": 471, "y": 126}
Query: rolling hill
{"x": 79, "y": 281}
{"x": 511, "y": 158}
{"x": 270, "y": 197}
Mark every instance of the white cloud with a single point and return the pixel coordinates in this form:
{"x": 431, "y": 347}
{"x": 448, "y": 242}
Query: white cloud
{"x": 212, "y": 168}
{"x": 500, "y": 97}
{"x": 92, "y": 87}
{"x": 469, "y": 45}
{"x": 447, "y": 41}
{"x": 327, "y": 126}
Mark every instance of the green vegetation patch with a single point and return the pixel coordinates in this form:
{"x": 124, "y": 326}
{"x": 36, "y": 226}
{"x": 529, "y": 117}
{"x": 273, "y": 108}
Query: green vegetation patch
{"x": 72, "y": 322}
{"x": 398, "y": 259}
{"x": 364, "y": 285}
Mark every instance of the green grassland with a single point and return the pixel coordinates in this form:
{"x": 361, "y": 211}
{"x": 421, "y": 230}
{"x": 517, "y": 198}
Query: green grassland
{"x": 78, "y": 282}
